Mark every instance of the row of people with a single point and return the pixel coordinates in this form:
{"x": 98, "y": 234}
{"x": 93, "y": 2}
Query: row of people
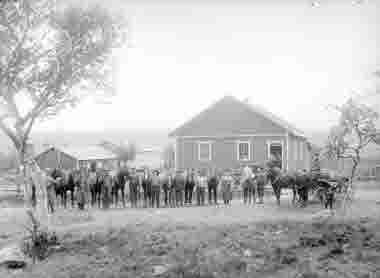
{"x": 149, "y": 189}
{"x": 178, "y": 189}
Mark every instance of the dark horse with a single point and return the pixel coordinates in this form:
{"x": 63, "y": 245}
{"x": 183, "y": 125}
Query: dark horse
{"x": 65, "y": 182}
{"x": 300, "y": 184}
{"x": 120, "y": 178}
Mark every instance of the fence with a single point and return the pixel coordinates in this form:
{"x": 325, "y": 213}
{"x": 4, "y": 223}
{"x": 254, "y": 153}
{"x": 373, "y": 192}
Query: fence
{"x": 7, "y": 187}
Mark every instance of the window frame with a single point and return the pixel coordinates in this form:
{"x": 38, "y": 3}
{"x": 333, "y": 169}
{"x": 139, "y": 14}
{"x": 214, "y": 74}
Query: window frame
{"x": 209, "y": 143}
{"x": 280, "y": 143}
{"x": 238, "y": 149}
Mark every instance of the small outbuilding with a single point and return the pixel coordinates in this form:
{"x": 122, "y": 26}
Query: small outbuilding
{"x": 76, "y": 157}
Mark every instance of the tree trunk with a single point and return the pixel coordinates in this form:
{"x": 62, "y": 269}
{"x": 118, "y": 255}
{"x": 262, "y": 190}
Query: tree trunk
{"x": 27, "y": 192}
{"x": 30, "y": 174}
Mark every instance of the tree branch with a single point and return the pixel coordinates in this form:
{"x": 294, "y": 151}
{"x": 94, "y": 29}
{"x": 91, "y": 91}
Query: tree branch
{"x": 9, "y": 133}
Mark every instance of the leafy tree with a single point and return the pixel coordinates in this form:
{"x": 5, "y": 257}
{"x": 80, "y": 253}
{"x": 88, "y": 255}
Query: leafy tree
{"x": 51, "y": 56}
{"x": 355, "y": 130}
{"x": 315, "y": 163}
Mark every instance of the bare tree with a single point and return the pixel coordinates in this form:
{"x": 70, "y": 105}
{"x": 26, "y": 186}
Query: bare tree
{"x": 51, "y": 56}
{"x": 355, "y": 130}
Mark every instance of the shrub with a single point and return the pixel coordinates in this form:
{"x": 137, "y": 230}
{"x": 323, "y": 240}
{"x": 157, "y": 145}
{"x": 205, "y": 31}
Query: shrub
{"x": 36, "y": 244}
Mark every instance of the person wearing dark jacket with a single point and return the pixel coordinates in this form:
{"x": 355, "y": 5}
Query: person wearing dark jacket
{"x": 179, "y": 185}
{"x": 165, "y": 187}
{"x": 147, "y": 188}
{"x": 212, "y": 185}
{"x": 189, "y": 188}
{"x": 133, "y": 187}
{"x": 156, "y": 189}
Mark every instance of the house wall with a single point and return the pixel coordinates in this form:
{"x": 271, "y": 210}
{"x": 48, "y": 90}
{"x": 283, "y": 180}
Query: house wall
{"x": 224, "y": 151}
{"x": 298, "y": 161}
{"x": 54, "y": 159}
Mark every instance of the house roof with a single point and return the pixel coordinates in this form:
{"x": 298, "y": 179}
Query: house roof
{"x": 230, "y": 115}
{"x": 90, "y": 153}
{"x": 84, "y": 152}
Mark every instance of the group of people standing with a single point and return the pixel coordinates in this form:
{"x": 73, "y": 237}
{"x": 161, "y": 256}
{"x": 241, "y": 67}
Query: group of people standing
{"x": 150, "y": 188}
{"x": 179, "y": 188}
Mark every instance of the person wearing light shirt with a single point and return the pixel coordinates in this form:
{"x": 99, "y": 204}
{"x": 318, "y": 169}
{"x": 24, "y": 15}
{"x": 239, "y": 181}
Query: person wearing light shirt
{"x": 226, "y": 186}
{"x": 201, "y": 184}
{"x": 156, "y": 189}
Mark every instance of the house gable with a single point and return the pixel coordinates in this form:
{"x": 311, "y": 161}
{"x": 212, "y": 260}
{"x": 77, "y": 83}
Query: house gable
{"x": 230, "y": 116}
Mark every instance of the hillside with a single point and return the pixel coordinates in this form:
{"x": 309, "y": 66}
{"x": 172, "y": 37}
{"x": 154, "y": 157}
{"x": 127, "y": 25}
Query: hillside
{"x": 143, "y": 138}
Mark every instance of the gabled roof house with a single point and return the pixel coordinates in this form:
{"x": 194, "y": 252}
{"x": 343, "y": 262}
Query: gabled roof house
{"x": 231, "y": 133}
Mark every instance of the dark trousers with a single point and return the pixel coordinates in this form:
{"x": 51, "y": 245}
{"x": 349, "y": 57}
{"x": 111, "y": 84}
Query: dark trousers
{"x": 105, "y": 198}
{"x": 200, "y": 196}
{"x": 212, "y": 193}
{"x": 50, "y": 205}
{"x": 303, "y": 195}
{"x": 81, "y": 200}
{"x": 172, "y": 198}
{"x": 147, "y": 197}
{"x": 260, "y": 192}
{"x": 247, "y": 195}
{"x": 166, "y": 194}
{"x": 179, "y": 197}
{"x": 189, "y": 194}
{"x": 133, "y": 195}
{"x": 329, "y": 201}
{"x": 156, "y": 196}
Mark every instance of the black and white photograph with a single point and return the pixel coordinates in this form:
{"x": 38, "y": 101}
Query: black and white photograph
{"x": 190, "y": 138}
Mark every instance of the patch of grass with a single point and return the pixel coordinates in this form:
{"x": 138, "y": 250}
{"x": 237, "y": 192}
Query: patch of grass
{"x": 249, "y": 250}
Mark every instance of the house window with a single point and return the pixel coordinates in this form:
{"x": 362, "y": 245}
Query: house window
{"x": 275, "y": 152}
{"x": 204, "y": 151}
{"x": 244, "y": 151}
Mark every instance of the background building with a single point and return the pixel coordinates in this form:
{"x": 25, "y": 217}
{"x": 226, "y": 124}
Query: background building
{"x": 232, "y": 133}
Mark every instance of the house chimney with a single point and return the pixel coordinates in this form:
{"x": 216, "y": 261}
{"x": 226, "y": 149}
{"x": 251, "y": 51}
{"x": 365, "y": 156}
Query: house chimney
{"x": 247, "y": 100}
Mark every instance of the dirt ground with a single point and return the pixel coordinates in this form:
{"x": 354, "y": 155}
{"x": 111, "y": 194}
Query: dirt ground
{"x": 210, "y": 241}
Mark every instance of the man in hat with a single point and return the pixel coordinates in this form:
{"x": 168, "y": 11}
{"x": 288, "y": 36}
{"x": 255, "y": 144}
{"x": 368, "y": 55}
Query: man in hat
{"x": 226, "y": 185}
{"x": 156, "y": 189}
{"x": 212, "y": 185}
{"x": 201, "y": 185}
{"x": 260, "y": 181}
{"x": 164, "y": 178}
{"x": 179, "y": 184}
{"x": 133, "y": 187}
{"x": 147, "y": 188}
{"x": 189, "y": 187}
{"x": 247, "y": 184}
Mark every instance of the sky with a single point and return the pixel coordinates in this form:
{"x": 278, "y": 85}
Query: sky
{"x": 290, "y": 57}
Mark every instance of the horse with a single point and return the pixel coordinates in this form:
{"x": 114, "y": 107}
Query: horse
{"x": 304, "y": 183}
{"x": 119, "y": 179}
{"x": 281, "y": 180}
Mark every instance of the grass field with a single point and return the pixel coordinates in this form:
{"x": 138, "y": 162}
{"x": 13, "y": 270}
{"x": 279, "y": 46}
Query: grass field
{"x": 236, "y": 241}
